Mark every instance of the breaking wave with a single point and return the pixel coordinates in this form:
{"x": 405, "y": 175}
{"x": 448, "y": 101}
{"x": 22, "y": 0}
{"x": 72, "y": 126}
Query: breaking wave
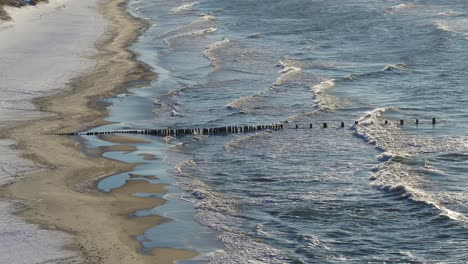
{"x": 322, "y": 101}
{"x": 219, "y": 212}
{"x": 184, "y": 8}
{"x": 169, "y": 40}
{"x": 400, "y": 8}
{"x": 231, "y": 146}
{"x": 290, "y": 69}
{"x": 210, "y": 52}
{"x": 396, "y": 68}
{"x": 395, "y": 174}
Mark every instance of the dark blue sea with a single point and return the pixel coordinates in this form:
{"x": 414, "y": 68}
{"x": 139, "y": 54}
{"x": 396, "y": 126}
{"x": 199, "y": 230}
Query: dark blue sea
{"x": 365, "y": 193}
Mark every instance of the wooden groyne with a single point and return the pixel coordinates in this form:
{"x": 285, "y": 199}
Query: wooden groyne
{"x": 181, "y": 131}
{"x": 230, "y": 129}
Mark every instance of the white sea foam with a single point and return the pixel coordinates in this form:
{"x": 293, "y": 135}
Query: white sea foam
{"x": 400, "y": 8}
{"x": 233, "y": 145}
{"x": 208, "y": 17}
{"x": 399, "y": 66}
{"x": 457, "y": 26}
{"x": 184, "y": 8}
{"x": 210, "y": 52}
{"x": 321, "y": 99}
{"x": 290, "y": 72}
{"x": 393, "y": 174}
{"x": 219, "y": 212}
{"x": 442, "y": 25}
{"x": 450, "y": 13}
{"x": 290, "y": 69}
{"x": 242, "y": 102}
{"x": 200, "y": 32}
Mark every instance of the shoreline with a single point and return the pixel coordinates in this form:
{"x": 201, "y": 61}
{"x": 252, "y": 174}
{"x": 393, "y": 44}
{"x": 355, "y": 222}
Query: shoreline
{"x": 63, "y": 197}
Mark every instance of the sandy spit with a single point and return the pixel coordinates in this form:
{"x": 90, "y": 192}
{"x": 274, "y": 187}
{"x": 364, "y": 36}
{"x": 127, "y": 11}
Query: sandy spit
{"x": 64, "y": 197}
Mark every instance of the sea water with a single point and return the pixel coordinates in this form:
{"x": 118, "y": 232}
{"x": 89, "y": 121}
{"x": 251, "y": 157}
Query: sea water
{"x": 366, "y": 193}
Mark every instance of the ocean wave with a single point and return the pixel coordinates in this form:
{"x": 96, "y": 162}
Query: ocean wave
{"x": 210, "y": 52}
{"x": 392, "y": 67}
{"x": 255, "y": 35}
{"x": 220, "y": 213}
{"x": 241, "y": 102}
{"x": 233, "y": 145}
{"x": 442, "y": 25}
{"x": 322, "y": 101}
{"x": 400, "y": 8}
{"x": 451, "y": 13}
{"x": 396, "y": 68}
{"x": 290, "y": 69}
{"x": 459, "y": 26}
{"x": 176, "y": 113}
{"x": 208, "y": 17}
{"x": 396, "y": 178}
{"x": 184, "y": 8}
{"x": 395, "y": 174}
{"x": 301, "y": 116}
{"x": 168, "y": 40}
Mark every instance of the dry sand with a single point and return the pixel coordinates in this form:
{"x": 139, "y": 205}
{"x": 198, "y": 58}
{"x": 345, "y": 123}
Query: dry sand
{"x": 60, "y": 197}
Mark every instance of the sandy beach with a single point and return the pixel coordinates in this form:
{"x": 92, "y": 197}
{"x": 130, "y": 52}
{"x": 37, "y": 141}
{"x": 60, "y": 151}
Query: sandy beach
{"x": 63, "y": 195}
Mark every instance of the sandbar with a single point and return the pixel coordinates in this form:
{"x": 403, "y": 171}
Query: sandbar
{"x": 60, "y": 196}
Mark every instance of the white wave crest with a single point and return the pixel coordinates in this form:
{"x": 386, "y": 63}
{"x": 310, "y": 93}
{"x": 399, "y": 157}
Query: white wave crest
{"x": 209, "y": 53}
{"x": 400, "y": 8}
{"x": 169, "y": 40}
{"x": 208, "y": 17}
{"x": 399, "y": 66}
{"x": 184, "y": 8}
{"x": 450, "y": 13}
{"x": 321, "y": 100}
{"x": 290, "y": 69}
{"x": 231, "y": 146}
{"x": 393, "y": 174}
{"x": 458, "y": 26}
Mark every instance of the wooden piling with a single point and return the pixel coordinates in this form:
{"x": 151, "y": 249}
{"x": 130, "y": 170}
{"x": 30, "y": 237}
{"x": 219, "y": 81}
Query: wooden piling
{"x": 433, "y": 121}
{"x": 325, "y": 125}
{"x": 402, "y": 122}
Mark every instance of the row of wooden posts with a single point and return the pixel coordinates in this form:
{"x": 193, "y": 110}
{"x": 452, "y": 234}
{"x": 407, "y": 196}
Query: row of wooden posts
{"x": 209, "y": 131}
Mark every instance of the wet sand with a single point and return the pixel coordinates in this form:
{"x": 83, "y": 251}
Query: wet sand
{"x": 63, "y": 196}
